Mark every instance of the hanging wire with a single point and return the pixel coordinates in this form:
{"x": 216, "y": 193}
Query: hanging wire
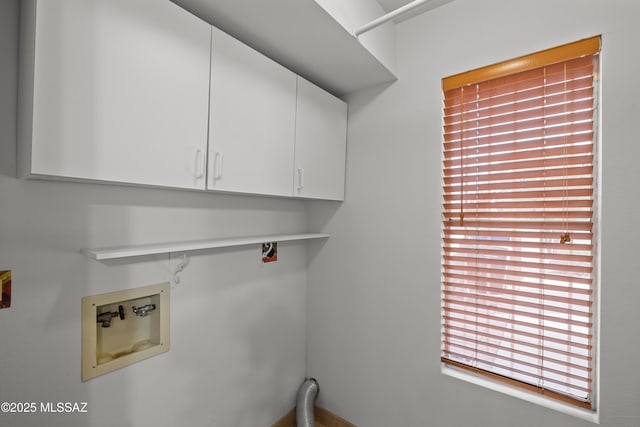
{"x": 462, "y": 156}
{"x": 541, "y": 322}
{"x": 477, "y": 125}
{"x": 565, "y": 237}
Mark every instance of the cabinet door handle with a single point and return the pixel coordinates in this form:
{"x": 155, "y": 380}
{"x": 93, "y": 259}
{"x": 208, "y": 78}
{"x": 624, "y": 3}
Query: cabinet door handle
{"x": 300, "y": 178}
{"x": 217, "y": 163}
{"x": 199, "y": 164}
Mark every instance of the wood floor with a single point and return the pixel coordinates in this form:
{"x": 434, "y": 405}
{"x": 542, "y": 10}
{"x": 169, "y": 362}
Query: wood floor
{"x": 322, "y": 418}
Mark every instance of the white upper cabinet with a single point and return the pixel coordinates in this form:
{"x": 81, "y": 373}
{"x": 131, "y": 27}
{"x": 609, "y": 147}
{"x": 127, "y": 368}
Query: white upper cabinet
{"x": 142, "y": 92}
{"x": 252, "y": 120}
{"x": 114, "y": 90}
{"x": 321, "y": 137}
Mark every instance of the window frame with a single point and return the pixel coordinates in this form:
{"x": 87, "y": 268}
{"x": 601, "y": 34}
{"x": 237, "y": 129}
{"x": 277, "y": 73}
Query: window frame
{"x": 536, "y": 60}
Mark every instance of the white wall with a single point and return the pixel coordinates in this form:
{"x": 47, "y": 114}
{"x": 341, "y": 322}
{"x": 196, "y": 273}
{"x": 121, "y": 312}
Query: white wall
{"x": 353, "y": 14}
{"x": 238, "y": 328}
{"x": 374, "y": 288}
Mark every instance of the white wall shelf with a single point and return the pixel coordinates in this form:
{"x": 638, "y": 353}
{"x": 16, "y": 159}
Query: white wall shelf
{"x": 103, "y": 254}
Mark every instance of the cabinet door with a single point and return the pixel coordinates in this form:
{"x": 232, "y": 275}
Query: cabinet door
{"x": 321, "y": 138}
{"x": 252, "y": 120}
{"x": 120, "y": 92}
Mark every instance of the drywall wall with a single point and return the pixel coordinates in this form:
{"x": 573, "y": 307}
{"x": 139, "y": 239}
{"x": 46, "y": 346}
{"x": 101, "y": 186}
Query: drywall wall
{"x": 374, "y": 288}
{"x": 380, "y": 42}
{"x": 237, "y": 327}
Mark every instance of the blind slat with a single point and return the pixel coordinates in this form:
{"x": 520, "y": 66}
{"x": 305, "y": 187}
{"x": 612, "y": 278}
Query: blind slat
{"x": 486, "y": 284}
{"x": 463, "y": 327}
{"x": 567, "y": 329}
{"x": 519, "y": 166}
{"x": 529, "y": 225}
{"x": 489, "y": 358}
{"x": 540, "y": 265}
{"x": 517, "y": 305}
{"x": 557, "y": 215}
{"x": 572, "y": 67}
{"x": 452, "y": 145}
{"x": 547, "y": 275}
{"x": 523, "y": 82}
{"x": 452, "y": 278}
{"x": 499, "y": 114}
{"x": 567, "y": 172}
{"x": 541, "y": 153}
{"x": 471, "y": 140}
{"x": 536, "y": 194}
{"x": 455, "y": 239}
{"x": 571, "y": 257}
{"x": 516, "y": 102}
{"x": 521, "y": 314}
{"x": 551, "y": 204}
{"x": 553, "y": 115}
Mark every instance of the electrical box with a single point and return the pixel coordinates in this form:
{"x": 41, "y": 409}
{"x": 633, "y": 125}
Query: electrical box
{"x": 5, "y": 289}
{"x": 124, "y": 327}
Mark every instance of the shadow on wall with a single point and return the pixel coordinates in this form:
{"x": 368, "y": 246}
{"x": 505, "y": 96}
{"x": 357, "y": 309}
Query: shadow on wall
{"x": 243, "y": 325}
{"x": 271, "y": 339}
{"x": 9, "y": 12}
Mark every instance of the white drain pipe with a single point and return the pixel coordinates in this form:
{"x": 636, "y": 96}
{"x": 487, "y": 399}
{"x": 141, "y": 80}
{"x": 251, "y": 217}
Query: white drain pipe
{"x": 307, "y": 394}
{"x": 389, "y": 16}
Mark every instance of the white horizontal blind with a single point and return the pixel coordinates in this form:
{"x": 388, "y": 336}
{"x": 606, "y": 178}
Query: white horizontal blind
{"x": 518, "y": 177}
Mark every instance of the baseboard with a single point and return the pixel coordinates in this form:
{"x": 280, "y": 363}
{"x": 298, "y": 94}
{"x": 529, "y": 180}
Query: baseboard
{"x": 289, "y": 420}
{"x": 329, "y": 419}
{"x": 321, "y": 416}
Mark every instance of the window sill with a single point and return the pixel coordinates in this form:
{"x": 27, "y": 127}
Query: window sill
{"x": 591, "y": 416}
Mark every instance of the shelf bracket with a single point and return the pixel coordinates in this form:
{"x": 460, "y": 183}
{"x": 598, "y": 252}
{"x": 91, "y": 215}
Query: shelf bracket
{"x": 182, "y": 264}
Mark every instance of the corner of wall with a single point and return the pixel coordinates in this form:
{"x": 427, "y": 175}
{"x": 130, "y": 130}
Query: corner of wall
{"x": 380, "y": 42}
{"x": 25, "y": 87}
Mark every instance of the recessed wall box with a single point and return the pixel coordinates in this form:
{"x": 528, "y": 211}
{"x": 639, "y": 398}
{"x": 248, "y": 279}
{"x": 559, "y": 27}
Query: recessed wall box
{"x": 116, "y": 334}
{"x": 5, "y": 289}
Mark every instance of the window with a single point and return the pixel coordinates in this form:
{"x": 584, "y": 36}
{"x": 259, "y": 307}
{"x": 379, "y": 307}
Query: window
{"x": 518, "y": 221}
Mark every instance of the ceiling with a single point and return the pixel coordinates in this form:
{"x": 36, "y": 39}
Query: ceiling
{"x": 303, "y": 37}
{"x": 390, "y": 5}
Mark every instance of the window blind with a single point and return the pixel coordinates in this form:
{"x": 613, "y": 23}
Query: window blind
{"x": 518, "y": 221}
